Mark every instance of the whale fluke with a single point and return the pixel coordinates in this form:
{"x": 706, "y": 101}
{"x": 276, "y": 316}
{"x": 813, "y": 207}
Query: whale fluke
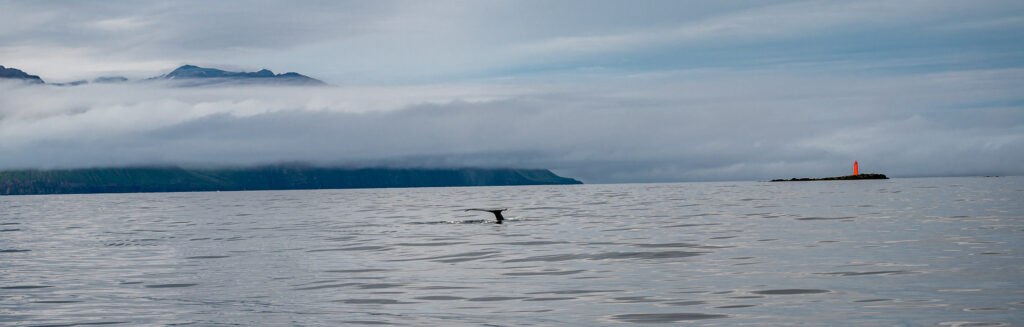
{"x": 496, "y": 212}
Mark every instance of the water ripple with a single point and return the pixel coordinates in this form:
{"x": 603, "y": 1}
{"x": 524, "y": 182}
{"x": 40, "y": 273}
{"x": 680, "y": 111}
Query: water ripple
{"x": 170, "y": 285}
{"x": 790, "y": 291}
{"x": 647, "y": 318}
{"x": 736, "y": 253}
{"x": 610, "y": 255}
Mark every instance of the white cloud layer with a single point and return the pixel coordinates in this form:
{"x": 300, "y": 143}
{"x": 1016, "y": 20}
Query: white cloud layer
{"x": 678, "y": 126}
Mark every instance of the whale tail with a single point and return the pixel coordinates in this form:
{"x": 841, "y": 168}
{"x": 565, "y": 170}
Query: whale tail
{"x": 496, "y": 212}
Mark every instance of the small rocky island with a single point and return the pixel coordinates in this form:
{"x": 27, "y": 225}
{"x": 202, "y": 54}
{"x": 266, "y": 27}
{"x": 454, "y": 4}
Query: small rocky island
{"x": 856, "y": 176}
{"x": 838, "y": 178}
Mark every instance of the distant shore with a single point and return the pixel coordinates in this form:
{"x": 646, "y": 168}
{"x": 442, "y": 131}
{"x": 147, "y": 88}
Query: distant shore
{"x": 175, "y": 179}
{"x": 838, "y": 178}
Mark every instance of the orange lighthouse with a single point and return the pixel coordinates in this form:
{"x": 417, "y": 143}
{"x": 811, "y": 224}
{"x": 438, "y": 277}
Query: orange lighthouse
{"x": 855, "y": 170}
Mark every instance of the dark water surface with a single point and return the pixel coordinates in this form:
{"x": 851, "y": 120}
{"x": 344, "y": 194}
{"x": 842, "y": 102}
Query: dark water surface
{"x": 929, "y": 252}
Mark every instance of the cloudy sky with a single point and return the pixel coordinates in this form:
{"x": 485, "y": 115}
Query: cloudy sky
{"x": 603, "y": 91}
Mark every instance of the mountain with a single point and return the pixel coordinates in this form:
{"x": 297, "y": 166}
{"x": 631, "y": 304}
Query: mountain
{"x": 74, "y": 83}
{"x": 293, "y": 177}
{"x": 110, "y": 79}
{"x": 14, "y": 73}
{"x": 190, "y": 75}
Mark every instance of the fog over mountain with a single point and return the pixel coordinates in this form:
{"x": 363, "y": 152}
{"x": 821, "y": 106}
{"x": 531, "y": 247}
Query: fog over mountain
{"x": 601, "y": 91}
{"x": 187, "y": 76}
{"x": 190, "y": 75}
{"x": 653, "y": 128}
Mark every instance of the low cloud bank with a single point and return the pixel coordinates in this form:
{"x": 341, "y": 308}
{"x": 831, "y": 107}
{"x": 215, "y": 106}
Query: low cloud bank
{"x": 672, "y": 127}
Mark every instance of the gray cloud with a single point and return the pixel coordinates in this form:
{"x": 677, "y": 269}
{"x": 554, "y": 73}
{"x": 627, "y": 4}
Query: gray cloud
{"x": 68, "y": 40}
{"x": 194, "y": 25}
{"x": 359, "y": 42}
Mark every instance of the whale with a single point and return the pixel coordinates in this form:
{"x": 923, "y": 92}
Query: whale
{"x": 496, "y": 212}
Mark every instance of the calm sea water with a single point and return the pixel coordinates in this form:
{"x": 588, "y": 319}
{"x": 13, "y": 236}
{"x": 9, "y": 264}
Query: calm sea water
{"x": 917, "y": 252}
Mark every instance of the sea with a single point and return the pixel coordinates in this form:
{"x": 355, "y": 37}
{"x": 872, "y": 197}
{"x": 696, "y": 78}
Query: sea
{"x": 898, "y": 252}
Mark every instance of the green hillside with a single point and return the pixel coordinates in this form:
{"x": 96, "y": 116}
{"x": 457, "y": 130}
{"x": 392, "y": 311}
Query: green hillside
{"x": 174, "y": 179}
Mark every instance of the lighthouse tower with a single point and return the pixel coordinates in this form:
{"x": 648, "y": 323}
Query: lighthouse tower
{"x": 855, "y": 170}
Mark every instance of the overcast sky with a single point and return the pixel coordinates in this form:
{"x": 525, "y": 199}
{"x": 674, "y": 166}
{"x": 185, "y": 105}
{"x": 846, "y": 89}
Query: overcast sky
{"x": 603, "y": 91}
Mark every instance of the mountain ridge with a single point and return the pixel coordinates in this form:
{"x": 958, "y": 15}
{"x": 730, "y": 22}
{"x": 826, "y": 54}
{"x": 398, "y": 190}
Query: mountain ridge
{"x": 186, "y": 75}
{"x": 14, "y": 73}
{"x": 204, "y": 76}
{"x": 284, "y": 177}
